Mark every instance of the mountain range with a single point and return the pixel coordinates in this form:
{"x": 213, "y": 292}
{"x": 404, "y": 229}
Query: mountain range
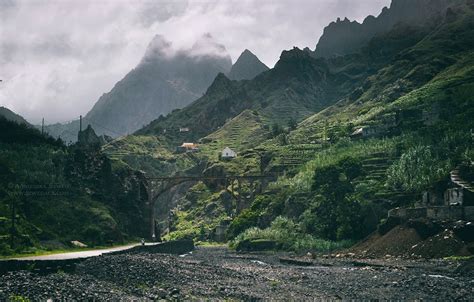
{"x": 165, "y": 79}
{"x": 303, "y": 82}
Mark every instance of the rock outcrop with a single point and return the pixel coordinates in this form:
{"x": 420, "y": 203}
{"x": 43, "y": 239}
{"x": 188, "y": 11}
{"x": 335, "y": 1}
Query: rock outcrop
{"x": 247, "y": 67}
{"x": 345, "y": 37}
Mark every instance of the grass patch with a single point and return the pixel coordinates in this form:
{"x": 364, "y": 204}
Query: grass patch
{"x": 458, "y": 258}
{"x": 288, "y": 236}
{"x": 41, "y": 252}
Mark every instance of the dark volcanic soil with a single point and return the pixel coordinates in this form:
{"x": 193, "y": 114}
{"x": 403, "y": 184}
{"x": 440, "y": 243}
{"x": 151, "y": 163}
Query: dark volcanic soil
{"x": 216, "y": 273}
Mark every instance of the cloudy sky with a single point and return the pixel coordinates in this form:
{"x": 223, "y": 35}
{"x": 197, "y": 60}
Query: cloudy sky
{"x": 58, "y": 56}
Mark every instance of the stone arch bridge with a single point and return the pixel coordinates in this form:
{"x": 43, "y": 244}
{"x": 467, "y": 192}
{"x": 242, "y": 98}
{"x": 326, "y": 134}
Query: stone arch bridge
{"x": 156, "y": 186}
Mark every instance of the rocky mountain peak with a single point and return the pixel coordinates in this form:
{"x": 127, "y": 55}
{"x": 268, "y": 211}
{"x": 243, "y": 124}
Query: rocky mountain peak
{"x": 88, "y": 138}
{"x": 220, "y": 82}
{"x": 345, "y": 37}
{"x": 247, "y": 67}
{"x": 158, "y": 47}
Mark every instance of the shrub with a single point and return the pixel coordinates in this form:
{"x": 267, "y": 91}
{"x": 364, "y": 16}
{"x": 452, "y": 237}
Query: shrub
{"x": 417, "y": 169}
{"x": 334, "y": 214}
{"x": 287, "y": 235}
{"x": 245, "y": 220}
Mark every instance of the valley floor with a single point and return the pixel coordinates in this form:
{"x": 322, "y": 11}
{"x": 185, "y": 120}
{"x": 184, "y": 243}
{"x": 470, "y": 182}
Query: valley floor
{"x": 217, "y": 273}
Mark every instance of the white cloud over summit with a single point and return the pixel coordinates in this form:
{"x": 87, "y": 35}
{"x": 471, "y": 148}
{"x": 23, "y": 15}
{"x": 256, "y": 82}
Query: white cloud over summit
{"x": 58, "y": 56}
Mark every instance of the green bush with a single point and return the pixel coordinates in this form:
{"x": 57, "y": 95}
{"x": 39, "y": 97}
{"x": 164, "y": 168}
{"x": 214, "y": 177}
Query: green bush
{"x": 417, "y": 169}
{"x": 245, "y": 220}
{"x": 287, "y": 235}
{"x": 334, "y": 214}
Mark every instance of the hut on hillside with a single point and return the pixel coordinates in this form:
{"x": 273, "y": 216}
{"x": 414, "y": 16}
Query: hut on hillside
{"x": 228, "y": 154}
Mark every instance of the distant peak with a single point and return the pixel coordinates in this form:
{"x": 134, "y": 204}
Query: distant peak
{"x": 221, "y": 78}
{"x": 247, "y": 67}
{"x": 206, "y": 45}
{"x": 246, "y": 55}
{"x": 293, "y": 53}
{"x": 158, "y": 47}
{"x": 220, "y": 82}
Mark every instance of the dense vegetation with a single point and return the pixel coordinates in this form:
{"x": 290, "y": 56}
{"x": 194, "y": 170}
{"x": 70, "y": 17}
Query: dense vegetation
{"x": 56, "y": 194}
{"x": 416, "y": 101}
{"x": 346, "y": 139}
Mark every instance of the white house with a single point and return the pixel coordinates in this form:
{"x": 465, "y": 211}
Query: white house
{"x": 228, "y": 153}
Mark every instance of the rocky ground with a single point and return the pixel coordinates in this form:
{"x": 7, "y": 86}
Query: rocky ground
{"x": 216, "y": 273}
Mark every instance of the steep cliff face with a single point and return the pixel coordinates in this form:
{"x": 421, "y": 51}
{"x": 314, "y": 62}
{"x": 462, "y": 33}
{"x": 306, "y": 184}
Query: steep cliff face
{"x": 345, "y": 37}
{"x": 247, "y": 67}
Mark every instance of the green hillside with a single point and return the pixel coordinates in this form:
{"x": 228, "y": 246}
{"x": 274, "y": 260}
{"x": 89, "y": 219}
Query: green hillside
{"x": 420, "y": 109}
{"x": 51, "y": 194}
{"x": 12, "y": 116}
{"x": 411, "y": 87}
{"x": 245, "y": 131}
{"x": 298, "y": 86}
{"x": 346, "y": 139}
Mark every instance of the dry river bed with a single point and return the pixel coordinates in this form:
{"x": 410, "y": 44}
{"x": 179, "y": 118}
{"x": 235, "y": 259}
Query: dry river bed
{"x": 215, "y": 273}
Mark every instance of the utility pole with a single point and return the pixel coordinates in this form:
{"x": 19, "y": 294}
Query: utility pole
{"x": 149, "y": 187}
{"x": 12, "y": 230}
{"x": 42, "y": 127}
{"x": 80, "y": 123}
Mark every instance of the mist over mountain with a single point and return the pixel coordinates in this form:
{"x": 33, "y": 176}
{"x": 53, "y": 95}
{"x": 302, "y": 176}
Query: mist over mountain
{"x": 247, "y": 67}
{"x": 345, "y": 37}
{"x": 296, "y": 87}
{"x": 165, "y": 79}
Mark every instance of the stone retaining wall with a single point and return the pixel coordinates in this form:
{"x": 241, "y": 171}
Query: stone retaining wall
{"x": 171, "y": 247}
{"x": 436, "y": 213}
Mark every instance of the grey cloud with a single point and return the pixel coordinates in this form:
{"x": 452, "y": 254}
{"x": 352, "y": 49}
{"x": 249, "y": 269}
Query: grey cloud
{"x": 7, "y": 4}
{"x": 161, "y": 10}
{"x": 58, "y": 57}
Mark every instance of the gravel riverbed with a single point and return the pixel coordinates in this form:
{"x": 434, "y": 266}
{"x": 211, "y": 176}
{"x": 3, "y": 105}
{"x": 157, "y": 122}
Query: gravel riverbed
{"x": 215, "y": 273}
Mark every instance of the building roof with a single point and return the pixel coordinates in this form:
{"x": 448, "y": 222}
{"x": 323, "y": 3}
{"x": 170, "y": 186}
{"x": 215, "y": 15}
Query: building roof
{"x": 188, "y": 145}
{"x": 228, "y": 152}
{"x": 358, "y": 131}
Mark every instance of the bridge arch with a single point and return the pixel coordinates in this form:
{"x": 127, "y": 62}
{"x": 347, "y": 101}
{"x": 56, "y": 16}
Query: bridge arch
{"x": 157, "y": 186}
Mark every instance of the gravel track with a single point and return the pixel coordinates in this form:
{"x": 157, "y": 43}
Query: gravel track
{"x": 215, "y": 273}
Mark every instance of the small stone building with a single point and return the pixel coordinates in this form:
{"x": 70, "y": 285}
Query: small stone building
{"x": 365, "y": 132}
{"x": 458, "y": 196}
{"x": 454, "y": 197}
{"x": 228, "y": 154}
{"x": 433, "y": 197}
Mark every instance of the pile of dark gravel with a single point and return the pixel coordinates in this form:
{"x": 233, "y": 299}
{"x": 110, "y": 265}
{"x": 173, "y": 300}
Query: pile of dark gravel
{"x": 220, "y": 274}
